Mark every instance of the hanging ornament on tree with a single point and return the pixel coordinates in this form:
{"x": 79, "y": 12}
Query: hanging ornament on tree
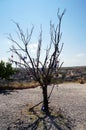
{"x": 11, "y": 56}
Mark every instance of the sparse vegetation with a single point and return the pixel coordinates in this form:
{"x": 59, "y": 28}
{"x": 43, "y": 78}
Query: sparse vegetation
{"x": 18, "y": 85}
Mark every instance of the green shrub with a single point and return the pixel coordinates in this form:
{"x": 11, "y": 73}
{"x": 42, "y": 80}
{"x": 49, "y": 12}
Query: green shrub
{"x": 6, "y": 70}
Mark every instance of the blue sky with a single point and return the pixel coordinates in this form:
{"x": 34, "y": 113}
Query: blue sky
{"x": 37, "y": 12}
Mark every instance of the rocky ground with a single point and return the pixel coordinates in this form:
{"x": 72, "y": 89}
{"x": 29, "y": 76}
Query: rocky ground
{"x": 69, "y": 98}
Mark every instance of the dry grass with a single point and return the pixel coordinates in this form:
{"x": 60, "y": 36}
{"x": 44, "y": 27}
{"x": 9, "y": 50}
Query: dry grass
{"x": 32, "y": 84}
{"x": 18, "y": 85}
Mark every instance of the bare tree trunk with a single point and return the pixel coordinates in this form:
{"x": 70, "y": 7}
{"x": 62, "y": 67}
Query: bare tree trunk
{"x": 45, "y": 99}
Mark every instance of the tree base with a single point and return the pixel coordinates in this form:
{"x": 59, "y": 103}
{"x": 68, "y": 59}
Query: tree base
{"x": 43, "y": 109}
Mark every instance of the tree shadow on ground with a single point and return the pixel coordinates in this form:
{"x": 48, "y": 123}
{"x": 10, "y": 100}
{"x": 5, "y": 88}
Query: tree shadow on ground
{"x": 7, "y": 91}
{"x": 41, "y": 121}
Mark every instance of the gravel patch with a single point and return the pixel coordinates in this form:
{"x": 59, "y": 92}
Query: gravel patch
{"x": 69, "y": 97}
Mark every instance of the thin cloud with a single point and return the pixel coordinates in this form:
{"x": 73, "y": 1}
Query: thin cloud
{"x": 33, "y": 48}
{"x": 4, "y": 59}
{"x": 81, "y": 55}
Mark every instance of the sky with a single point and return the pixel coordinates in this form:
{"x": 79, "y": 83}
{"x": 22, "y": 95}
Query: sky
{"x": 40, "y": 12}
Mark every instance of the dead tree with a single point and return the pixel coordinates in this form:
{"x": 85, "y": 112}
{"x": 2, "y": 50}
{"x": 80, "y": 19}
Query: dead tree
{"x": 42, "y": 71}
